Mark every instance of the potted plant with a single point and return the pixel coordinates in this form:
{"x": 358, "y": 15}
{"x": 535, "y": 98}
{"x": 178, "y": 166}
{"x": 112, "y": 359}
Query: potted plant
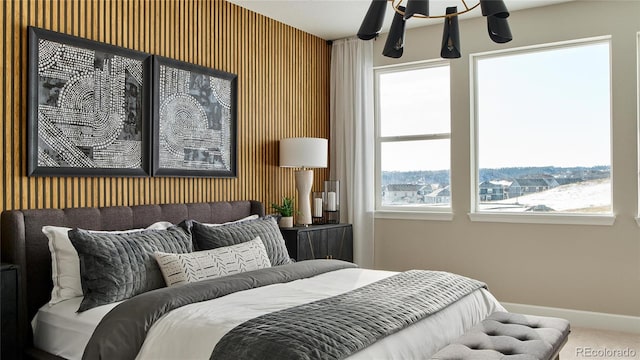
{"x": 286, "y": 212}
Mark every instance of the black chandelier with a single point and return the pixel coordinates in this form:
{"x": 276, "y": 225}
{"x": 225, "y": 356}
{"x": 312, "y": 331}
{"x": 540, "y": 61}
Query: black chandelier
{"x": 494, "y": 10}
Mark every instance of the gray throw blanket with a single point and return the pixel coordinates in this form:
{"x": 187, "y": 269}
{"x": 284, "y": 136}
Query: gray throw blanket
{"x": 120, "y": 334}
{"x": 334, "y": 328}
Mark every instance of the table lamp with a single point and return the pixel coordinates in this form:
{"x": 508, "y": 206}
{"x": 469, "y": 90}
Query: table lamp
{"x": 304, "y": 153}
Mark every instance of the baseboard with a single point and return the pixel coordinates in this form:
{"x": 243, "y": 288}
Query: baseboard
{"x": 579, "y": 318}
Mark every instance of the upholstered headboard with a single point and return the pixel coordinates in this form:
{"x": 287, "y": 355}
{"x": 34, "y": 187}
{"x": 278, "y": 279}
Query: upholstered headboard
{"x": 24, "y": 244}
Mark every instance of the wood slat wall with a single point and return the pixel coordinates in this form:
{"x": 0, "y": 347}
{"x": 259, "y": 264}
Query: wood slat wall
{"x": 283, "y": 91}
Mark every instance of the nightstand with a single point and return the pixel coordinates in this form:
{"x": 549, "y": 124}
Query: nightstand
{"x": 330, "y": 241}
{"x": 11, "y": 344}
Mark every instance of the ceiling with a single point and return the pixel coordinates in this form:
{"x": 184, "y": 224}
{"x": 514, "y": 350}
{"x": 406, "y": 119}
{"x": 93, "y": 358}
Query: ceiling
{"x": 337, "y": 19}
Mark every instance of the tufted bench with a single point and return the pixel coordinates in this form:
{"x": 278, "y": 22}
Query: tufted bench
{"x": 509, "y": 336}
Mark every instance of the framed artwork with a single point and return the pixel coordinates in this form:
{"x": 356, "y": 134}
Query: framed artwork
{"x": 89, "y": 107}
{"x": 194, "y": 120}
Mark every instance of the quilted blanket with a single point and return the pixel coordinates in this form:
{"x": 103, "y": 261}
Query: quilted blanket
{"x": 332, "y": 328}
{"x": 121, "y": 333}
{"x": 335, "y": 327}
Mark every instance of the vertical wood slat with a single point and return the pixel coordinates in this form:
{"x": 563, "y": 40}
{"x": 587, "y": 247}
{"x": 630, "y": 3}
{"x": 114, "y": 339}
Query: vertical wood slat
{"x": 6, "y": 125}
{"x": 282, "y": 92}
{"x": 13, "y": 81}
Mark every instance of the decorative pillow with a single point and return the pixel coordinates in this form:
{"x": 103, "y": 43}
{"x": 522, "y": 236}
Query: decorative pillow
{"x": 250, "y": 217}
{"x": 201, "y": 265}
{"x": 115, "y": 267}
{"x": 65, "y": 264}
{"x": 210, "y": 237}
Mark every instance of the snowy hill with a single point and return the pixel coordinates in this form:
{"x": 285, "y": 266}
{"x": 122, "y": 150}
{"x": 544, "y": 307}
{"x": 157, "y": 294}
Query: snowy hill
{"x": 593, "y": 196}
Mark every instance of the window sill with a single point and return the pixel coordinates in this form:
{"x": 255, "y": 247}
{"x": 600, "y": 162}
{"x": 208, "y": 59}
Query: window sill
{"x": 414, "y": 215}
{"x": 557, "y": 219}
{"x": 638, "y": 220}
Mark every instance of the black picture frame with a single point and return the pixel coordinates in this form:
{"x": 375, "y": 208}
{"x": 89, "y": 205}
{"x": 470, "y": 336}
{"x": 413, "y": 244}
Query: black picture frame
{"x": 194, "y": 120}
{"x": 88, "y": 107}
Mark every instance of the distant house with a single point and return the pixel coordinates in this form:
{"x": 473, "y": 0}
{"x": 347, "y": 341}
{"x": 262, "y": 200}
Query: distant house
{"x": 569, "y": 180}
{"x": 439, "y": 196}
{"x": 404, "y": 193}
{"x": 520, "y": 187}
{"x": 400, "y": 193}
{"x": 494, "y": 190}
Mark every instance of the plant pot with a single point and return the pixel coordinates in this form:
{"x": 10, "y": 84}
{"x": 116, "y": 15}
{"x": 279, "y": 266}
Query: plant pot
{"x": 286, "y": 222}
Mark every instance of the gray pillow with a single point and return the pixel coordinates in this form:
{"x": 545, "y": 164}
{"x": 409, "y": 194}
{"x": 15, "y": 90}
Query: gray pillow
{"x": 115, "y": 267}
{"x": 212, "y": 237}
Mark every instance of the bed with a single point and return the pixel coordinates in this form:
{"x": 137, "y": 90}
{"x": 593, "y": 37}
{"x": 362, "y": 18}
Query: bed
{"x": 61, "y": 332}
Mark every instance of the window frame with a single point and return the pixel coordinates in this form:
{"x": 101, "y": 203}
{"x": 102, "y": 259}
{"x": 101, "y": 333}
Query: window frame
{"x": 406, "y": 212}
{"x": 548, "y": 218}
{"x": 638, "y": 119}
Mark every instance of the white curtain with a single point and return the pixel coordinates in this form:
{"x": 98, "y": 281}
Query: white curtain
{"x": 351, "y": 139}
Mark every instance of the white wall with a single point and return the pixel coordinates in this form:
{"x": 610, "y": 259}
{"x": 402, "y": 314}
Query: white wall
{"x": 592, "y": 268}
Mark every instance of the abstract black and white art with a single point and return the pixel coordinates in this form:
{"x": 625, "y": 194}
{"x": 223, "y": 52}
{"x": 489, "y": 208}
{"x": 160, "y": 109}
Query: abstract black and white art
{"x": 194, "y": 122}
{"x": 88, "y": 111}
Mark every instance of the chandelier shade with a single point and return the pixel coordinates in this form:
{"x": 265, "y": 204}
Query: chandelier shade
{"x": 499, "y": 30}
{"x": 394, "y": 46}
{"x": 495, "y": 11}
{"x": 416, "y": 7}
{"x": 451, "y": 36}
{"x": 372, "y": 22}
{"x": 494, "y": 8}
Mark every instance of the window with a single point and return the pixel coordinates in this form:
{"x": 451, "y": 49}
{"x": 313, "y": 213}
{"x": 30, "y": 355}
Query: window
{"x": 543, "y": 128}
{"x": 413, "y": 135}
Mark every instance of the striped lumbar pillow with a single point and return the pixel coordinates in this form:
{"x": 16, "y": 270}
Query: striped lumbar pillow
{"x": 201, "y": 265}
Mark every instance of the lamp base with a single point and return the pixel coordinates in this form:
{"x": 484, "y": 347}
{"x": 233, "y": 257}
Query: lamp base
{"x": 304, "y": 181}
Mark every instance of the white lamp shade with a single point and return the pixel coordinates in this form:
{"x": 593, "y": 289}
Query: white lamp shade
{"x": 303, "y": 152}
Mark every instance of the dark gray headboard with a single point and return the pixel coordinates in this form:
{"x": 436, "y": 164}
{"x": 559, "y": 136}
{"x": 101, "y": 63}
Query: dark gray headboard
{"x": 24, "y": 244}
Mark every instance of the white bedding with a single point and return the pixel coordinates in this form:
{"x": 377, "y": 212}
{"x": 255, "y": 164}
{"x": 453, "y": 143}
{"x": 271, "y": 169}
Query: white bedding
{"x": 59, "y": 330}
{"x": 181, "y": 333}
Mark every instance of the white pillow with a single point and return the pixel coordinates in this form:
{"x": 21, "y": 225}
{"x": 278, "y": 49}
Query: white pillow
{"x": 250, "y": 217}
{"x": 201, "y": 265}
{"x": 65, "y": 263}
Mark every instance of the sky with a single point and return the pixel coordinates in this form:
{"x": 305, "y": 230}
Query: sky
{"x": 561, "y": 117}
{"x": 539, "y": 108}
